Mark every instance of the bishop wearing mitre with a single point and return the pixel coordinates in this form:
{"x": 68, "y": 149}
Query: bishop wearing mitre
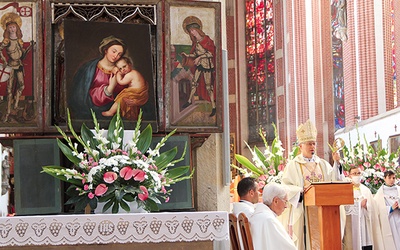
{"x": 305, "y": 169}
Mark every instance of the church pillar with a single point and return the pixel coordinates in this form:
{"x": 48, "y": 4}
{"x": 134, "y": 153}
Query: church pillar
{"x": 307, "y": 65}
{"x": 211, "y": 193}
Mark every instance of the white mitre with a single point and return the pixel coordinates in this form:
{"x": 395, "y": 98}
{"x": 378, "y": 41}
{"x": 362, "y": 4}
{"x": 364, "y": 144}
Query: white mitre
{"x": 306, "y": 132}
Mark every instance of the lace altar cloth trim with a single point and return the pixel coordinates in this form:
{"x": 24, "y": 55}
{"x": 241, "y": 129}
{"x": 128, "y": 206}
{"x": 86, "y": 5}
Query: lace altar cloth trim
{"x": 113, "y": 228}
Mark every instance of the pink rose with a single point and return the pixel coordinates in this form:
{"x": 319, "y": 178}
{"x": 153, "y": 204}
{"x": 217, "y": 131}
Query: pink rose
{"x": 109, "y": 177}
{"x": 86, "y": 187}
{"x": 261, "y": 184}
{"x": 126, "y": 173}
{"x": 167, "y": 199}
{"x": 90, "y": 195}
{"x": 163, "y": 190}
{"x": 367, "y": 164}
{"x": 138, "y": 175}
{"x": 145, "y": 194}
{"x": 100, "y": 189}
{"x": 263, "y": 177}
{"x": 281, "y": 167}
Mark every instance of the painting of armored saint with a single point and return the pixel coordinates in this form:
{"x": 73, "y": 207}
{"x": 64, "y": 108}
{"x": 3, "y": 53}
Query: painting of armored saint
{"x": 18, "y": 95}
{"x": 195, "y": 84}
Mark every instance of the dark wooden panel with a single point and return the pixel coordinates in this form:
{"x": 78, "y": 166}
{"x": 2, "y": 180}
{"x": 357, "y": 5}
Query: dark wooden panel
{"x": 35, "y": 192}
{"x": 182, "y": 195}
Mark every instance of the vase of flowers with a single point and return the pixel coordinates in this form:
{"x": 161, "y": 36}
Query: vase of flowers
{"x": 266, "y": 166}
{"x": 372, "y": 162}
{"x": 115, "y": 173}
{"x": 133, "y": 208}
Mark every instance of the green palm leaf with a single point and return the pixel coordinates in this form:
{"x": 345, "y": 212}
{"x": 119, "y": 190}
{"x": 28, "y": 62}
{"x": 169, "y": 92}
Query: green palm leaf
{"x": 247, "y": 163}
{"x": 165, "y": 158}
{"x": 178, "y": 172}
{"x": 68, "y": 152}
{"x": 145, "y": 138}
{"x": 261, "y": 156}
{"x": 55, "y": 172}
{"x": 88, "y": 136}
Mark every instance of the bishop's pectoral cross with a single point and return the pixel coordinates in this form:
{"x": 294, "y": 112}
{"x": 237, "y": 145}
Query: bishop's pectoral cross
{"x": 314, "y": 177}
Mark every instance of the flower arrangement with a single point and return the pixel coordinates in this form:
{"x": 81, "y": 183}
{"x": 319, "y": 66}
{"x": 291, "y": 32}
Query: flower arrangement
{"x": 268, "y": 165}
{"x": 372, "y": 162}
{"x": 109, "y": 171}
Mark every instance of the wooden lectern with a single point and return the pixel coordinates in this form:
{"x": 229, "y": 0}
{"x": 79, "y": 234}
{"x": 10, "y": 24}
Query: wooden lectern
{"x": 328, "y": 196}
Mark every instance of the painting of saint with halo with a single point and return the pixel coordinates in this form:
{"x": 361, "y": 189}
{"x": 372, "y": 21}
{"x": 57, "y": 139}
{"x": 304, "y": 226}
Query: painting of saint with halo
{"x": 18, "y": 103}
{"x": 194, "y": 62}
{"x": 110, "y": 67}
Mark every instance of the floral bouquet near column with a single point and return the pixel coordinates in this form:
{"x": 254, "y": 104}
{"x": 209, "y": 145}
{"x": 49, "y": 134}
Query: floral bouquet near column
{"x": 372, "y": 162}
{"x": 116, "y": 173}
{"x": 267, "y": 165}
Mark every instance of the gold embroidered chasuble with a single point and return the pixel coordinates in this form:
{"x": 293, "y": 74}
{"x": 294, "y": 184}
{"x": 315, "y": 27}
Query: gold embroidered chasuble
{"x": 312, "y": 172}
{"x": 298, "y": 174}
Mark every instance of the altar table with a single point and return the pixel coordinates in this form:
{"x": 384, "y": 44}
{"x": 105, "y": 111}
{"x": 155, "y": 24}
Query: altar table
{"x": 99, "y": 229}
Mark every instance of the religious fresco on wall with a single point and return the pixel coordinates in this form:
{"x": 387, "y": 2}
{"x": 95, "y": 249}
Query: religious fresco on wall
{"x": 19, "y": 100}
{"x": 195, "y": 86}
{"x": 339, "y": 36}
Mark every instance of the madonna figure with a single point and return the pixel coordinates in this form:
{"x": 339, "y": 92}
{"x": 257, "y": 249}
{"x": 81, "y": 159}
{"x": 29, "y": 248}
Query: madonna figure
{"x": 94, "y": 85}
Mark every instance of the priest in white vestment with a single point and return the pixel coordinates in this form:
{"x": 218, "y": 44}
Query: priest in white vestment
{"x": 362, "y": 230}
{"x": 298, "y": 175}
{"x": 266, "y": 230}
{"x": 247, "y": 189}
{"x": 387, "y": 199}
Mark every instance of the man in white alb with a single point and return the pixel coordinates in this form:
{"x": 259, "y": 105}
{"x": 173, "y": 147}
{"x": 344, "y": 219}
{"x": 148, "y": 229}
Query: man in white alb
{"x": 266, "y": 230}
{"x": 247, "y": 189}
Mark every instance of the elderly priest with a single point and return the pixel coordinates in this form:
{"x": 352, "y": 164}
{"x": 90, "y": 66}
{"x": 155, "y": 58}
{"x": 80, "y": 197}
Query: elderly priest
{"x": 266, "y": 230}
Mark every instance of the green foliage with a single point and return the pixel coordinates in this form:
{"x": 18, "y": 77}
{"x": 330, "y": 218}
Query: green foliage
{"x": 109, "y": 171}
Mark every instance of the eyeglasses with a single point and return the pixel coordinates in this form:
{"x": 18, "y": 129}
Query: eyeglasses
{"x": 356, "y": 174}
{"x": 284, "y": 201}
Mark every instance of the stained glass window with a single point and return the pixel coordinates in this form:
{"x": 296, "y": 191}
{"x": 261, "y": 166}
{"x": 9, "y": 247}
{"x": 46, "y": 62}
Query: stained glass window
{"x": 393, "y": 55}
{"x": 260, "y": 68}
{"x": 338, "y": 29}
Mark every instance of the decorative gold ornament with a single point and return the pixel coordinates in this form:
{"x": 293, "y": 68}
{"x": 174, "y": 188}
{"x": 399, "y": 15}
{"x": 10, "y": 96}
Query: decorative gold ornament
{"x": 337, "y": 144}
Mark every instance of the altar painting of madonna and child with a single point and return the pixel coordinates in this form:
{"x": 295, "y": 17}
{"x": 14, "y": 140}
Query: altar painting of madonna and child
{"x": 109, "y": 66}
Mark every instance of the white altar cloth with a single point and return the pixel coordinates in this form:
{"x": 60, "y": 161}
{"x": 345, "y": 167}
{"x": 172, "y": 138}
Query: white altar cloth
{"x": 113, "y": 228}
